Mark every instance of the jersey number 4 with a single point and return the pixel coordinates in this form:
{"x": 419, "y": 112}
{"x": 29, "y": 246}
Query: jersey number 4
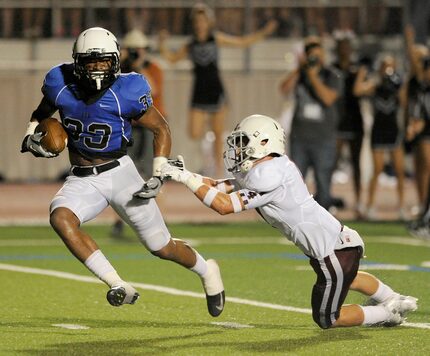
{"x": 100, "y": 133}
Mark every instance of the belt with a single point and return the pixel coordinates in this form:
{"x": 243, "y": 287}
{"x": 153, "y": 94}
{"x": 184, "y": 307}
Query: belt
{"x": 84, "y": 171}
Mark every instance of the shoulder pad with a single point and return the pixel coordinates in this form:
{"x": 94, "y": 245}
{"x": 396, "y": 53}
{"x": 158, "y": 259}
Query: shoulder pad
{"x": 265, "y": 177}
{"x": 133, "y": 85}
{"x": 135, "y": 92}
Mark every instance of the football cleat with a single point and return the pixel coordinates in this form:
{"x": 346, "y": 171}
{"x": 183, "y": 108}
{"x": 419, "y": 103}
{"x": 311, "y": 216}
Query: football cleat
{"x": 419, "y": 228}
{"x": 214, "y": 289}
{"x": 122, "y": 294}
{"x": 394, "y": 319}
{"x": 401, "y": 304}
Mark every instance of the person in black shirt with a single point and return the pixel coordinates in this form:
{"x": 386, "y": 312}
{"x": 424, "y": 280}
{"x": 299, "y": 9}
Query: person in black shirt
{"x": 420, "y": 145}
{"x": 208, "y": 94}
{"x": 386, "y": 135}
{"x": 419, "y": 124}
{"x": 350, "y": 127}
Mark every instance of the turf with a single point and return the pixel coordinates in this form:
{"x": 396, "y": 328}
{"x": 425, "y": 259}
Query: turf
{"x": 255, "y": 266}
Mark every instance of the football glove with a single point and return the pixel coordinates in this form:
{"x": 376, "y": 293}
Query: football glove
{"x": 175, "y": 171}
{"x": 31, "y": 143}
{"x": 150, "y": 188}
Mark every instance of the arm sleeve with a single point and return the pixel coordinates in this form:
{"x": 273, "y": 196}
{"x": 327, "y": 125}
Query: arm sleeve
{"x": 252, "y": 199}
{"x": 44, "y": 110}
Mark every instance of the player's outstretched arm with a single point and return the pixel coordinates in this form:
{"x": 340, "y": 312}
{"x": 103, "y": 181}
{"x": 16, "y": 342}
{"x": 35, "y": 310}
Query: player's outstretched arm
{"x": 204, "y": 189}
{"x": 224, "y": 39}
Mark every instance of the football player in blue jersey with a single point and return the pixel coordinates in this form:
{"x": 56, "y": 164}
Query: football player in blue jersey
{"x": 96, "y": 105}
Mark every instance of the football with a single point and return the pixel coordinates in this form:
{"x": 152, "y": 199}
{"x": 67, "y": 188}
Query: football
{"x": 55, "y": 140}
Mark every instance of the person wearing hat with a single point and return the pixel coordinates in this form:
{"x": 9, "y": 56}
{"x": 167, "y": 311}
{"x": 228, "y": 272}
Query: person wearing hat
{"x": 134, "y": 58}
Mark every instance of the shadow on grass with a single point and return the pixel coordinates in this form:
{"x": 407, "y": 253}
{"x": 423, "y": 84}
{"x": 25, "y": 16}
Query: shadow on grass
{"x": 233, "y": 341}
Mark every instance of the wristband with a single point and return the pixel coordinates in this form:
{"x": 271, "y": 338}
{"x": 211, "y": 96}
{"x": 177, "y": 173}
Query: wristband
{"x": 237, "y": 206}
{"x": 194, "y": 182}
{"x": 156, "y": 165}
{"x": 31, "y": 127}
{"x": 210, "y": 196}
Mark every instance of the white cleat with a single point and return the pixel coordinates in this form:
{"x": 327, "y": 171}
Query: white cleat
{"x": 394, "y": 319}
{"x": 214, "y": 289}
{"x": 122, "y": 293}
{"x": 401, "y": 304}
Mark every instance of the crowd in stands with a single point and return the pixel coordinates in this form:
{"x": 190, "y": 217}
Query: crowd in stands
{"x": 293, "y": 22}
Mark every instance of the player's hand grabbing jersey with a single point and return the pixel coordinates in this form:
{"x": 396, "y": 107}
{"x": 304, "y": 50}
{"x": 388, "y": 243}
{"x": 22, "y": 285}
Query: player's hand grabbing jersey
{"x": 101, "y": 127}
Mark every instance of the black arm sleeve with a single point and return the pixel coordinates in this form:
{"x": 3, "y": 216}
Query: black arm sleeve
{"x": 44, "y": 110}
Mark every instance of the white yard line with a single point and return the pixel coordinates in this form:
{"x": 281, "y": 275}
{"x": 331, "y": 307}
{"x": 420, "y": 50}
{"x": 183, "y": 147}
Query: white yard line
{"x": 231, "y": 325}
{"x": 71, "y": 326}
{"x": 171, "y": 291}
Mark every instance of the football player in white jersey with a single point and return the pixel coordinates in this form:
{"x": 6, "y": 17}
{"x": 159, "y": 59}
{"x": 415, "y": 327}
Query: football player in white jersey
{"x": 97, "y": 105}
{"x": 267, "y": 180}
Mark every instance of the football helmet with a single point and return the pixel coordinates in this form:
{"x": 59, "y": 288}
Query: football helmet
{"x": 92, "y": 45}
{"x": 255, "y": 137}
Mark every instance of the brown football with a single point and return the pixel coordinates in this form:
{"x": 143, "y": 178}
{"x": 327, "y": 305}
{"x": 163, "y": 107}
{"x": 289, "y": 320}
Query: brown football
{"x": 55, "y": 139}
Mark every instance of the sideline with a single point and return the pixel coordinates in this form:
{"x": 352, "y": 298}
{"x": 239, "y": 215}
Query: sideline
{"x": 171, "y": 291}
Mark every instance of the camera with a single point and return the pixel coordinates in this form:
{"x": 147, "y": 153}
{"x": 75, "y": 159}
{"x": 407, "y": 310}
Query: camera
{"x": 426, "y": 63}
{"x": 133, "y": 54}
{"x": 366, "y": 61}
{"x": 312, "y": 61}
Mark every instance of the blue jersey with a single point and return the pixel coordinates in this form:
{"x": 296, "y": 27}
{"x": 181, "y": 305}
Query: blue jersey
{"x": 101, "y": 127}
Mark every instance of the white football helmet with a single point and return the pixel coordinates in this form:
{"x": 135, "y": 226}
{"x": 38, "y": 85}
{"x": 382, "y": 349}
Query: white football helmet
{"x": 94, "y": 44}
{"x": 255, "y": 137}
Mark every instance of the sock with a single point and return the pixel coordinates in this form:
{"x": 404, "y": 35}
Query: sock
{"x": 374, "y": 314}
{"x": 201, "y": 266}
{"x": 101, "y": 267}
{"x": 382, "y": 293}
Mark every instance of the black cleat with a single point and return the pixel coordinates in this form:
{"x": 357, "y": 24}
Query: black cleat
{"x": 214, "y": 288}
{"x": 117, "y": 296}
{"x": 215, "y": 303}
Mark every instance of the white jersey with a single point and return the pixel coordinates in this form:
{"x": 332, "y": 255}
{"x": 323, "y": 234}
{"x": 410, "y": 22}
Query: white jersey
{"x": 277, "y": 190}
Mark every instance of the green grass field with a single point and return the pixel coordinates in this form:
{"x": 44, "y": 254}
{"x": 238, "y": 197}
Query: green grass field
{"x": 256, "y": 266}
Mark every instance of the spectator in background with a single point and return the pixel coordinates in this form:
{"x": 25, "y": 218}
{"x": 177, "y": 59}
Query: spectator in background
{"x": 8, "y": 23}
{"x": 317, "y": 88}
{"x": 421, "y": 142}
{"x": 419, "y": 125}
{"x": 34, "y": 22}
{"x": 208, "y": 97}
{"x": 134, "y": 58}
{"x": 350, "y": 128}
{"x": 386, "y": 136}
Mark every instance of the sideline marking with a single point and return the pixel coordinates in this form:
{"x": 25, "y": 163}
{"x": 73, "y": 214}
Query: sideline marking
{"x": 379, "y": 266}
{"x": 71, "y": 326}
{"x": 233, "y": 240}
{"x": 172, "y": 291}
